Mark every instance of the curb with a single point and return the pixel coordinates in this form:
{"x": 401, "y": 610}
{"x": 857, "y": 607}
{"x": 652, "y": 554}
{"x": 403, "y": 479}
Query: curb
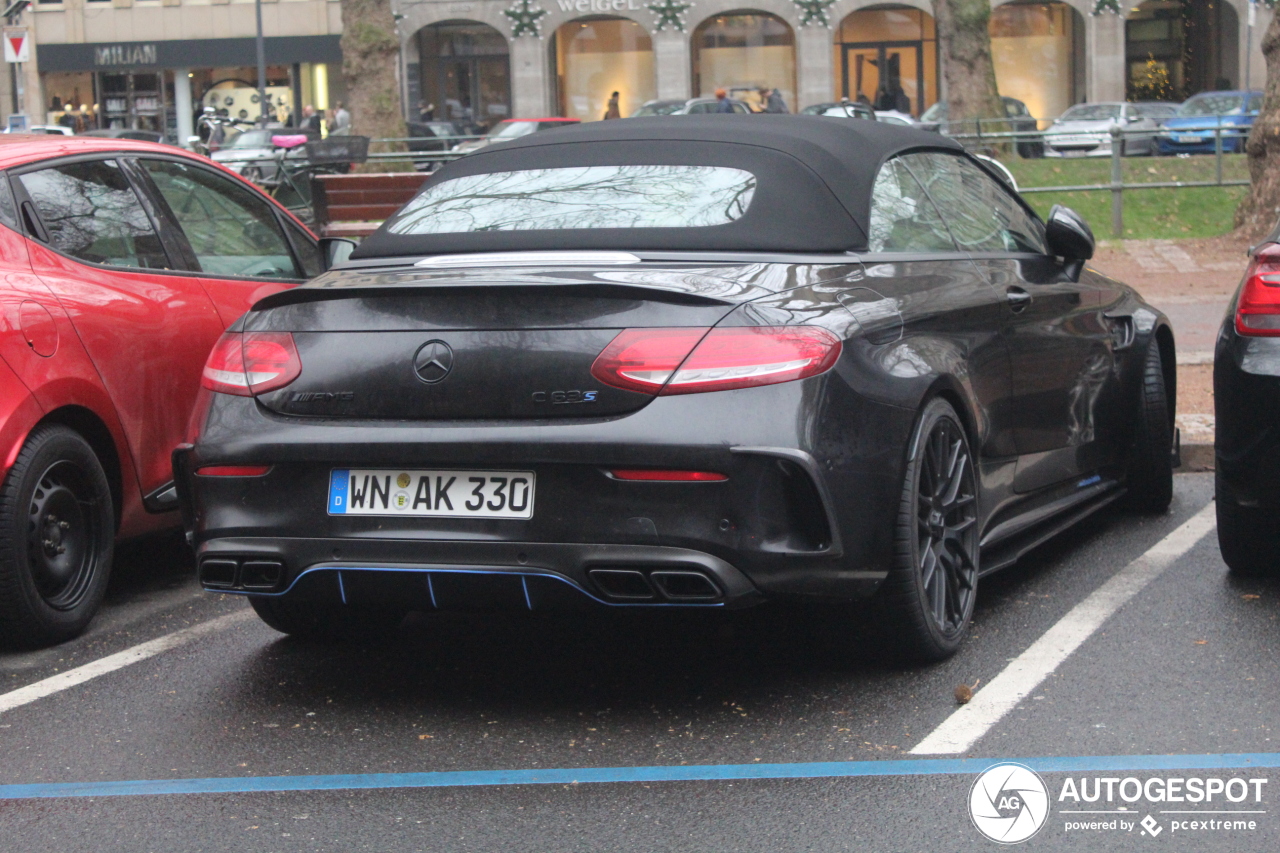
{"x": 1196, "y": 458}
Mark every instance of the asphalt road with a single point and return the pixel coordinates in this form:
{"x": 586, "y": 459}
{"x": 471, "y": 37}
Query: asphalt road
{"x": 1186, "y": 666}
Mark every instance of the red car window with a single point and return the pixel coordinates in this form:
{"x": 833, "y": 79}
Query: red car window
{"x": 232, "y": 232}
{"x": 92, "y": 213}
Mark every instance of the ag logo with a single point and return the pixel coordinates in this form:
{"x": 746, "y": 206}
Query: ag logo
{"x": 1009, "y": 803}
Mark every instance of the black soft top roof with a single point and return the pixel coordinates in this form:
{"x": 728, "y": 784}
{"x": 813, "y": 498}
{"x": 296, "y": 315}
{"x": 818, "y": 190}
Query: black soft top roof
{"x": 814, "y": 176}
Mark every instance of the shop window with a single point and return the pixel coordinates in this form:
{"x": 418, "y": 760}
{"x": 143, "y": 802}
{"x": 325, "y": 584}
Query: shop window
{"x": 887, "y": 58}
{"x": 1034, "y": 46}
{"x": 597, "y": 57}
{"x": 464, "y": 74}
{"x": 742, "y": 53}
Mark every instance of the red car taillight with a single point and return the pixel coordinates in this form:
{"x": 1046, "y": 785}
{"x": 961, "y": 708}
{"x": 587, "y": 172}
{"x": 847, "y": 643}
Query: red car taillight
{"x": 659, "y": 361}
{"x": 253, "y": 363}
{"x": 1258, "y": 311}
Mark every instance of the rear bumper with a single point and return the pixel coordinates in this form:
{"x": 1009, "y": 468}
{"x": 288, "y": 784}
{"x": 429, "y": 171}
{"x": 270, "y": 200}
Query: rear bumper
{"x": 1246, "y": 385}
{"x": 798, "y": 515}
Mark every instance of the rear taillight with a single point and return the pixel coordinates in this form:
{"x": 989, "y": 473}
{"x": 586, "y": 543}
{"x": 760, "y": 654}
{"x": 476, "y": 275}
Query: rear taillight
{"x": 659, "y": 361}
{"x": 1258, "y": 311}
{"x": 251, "y": 363}
{"x": 652, "y": 475}
{"x": 232, "y": 470}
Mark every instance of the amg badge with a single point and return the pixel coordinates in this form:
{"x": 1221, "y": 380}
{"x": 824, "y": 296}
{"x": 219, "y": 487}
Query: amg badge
{"x": 322, "y": 396}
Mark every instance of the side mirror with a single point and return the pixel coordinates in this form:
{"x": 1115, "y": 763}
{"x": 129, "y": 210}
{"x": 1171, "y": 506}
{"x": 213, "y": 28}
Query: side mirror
{"x": 335, "y": 250}
{"x": 1069, "y": 237}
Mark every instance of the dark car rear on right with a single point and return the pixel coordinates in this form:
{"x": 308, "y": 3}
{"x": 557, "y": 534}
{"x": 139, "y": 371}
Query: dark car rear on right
{"x": 1246, "y": 387}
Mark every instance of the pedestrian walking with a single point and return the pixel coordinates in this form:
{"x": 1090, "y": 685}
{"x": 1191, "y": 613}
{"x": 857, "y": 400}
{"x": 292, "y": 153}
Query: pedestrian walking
{"x": 341, "y": 124}
{"x": 722, "y": 102}
{"x": 775, "y": 104}
{"x": 612, "y": 110}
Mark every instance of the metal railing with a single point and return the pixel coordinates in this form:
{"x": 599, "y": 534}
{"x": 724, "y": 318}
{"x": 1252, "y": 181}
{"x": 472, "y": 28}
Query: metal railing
{"x": 977, "y": 139}
{"x": 1117, "y": 186}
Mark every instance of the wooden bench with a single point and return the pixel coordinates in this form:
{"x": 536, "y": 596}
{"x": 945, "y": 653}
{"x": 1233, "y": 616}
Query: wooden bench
{"x": 355, "y": 205}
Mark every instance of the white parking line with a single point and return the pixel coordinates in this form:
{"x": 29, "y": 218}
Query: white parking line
{"x": 102, "y": 666}
{"x": 970, "y": 722}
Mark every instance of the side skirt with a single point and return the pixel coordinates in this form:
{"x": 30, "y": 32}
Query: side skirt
{"x": 1040, "y": 528}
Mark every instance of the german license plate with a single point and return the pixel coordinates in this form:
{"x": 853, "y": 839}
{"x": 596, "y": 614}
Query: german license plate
{"x": 442, "y": 494}
{"x": 1188, "y": 138}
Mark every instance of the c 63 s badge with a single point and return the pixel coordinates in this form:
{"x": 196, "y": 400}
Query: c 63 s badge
{"x": 562, "y": 398}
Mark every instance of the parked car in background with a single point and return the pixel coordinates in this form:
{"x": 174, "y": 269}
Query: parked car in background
{"x": 1085, "y": 129}
{"x": 840, "y": 109}
{"x": 251, "y": 154}
{"x": 1246, "y": 390}
{"x": 692, "y": 106}
{"x": 433, "y": 136}
{"x": 740, "y": 359}
{"x": 896, "y": 117}
{"x": 1193, "y": 129}
{"x": 46, "y": 130}
{"x": 513, "y": 128}
{"x": 1029, "y": 142}
{"x": 121, "y": 262}
{"x": 126, "y": 133}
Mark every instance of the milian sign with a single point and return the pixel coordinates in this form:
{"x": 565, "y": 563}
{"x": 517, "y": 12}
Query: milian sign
{"x": 603, "y": 6}
{"x": 124, "y": 54}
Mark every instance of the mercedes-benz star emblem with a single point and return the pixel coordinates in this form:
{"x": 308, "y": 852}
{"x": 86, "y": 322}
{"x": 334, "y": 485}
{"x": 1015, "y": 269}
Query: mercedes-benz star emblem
{"x": 433, "y": 361}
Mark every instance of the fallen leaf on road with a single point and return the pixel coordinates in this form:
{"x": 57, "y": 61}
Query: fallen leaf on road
{"x": 964, "y": 692}
{"x": 1201, "y": 642}
{"x": 425, "y": 737}
{"x": 1249, "y": 596}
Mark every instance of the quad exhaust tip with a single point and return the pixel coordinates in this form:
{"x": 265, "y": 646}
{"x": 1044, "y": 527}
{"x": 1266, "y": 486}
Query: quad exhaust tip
{"x": 635, "y": 585}
{"x": 250, "y": 575}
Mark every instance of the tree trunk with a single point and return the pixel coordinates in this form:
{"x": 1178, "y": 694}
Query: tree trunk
{"x": 370, "y": 54}
{"x": 1257, "y": 213}
{"x": 964, "y": 43}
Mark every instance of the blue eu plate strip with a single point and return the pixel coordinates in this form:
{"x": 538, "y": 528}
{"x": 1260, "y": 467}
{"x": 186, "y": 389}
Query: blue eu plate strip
{"x": 339, "y": 482}
{"x": 586, "y": 775}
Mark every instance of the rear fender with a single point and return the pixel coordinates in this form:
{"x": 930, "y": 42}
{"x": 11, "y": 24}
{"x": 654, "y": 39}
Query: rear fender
{"x": 19, "y": 413}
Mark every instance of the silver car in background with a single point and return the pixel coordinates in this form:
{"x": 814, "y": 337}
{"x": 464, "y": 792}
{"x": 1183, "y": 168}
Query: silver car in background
{"x": 1085, "y": 129}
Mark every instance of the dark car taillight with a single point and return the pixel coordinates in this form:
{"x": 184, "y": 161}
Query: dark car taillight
{"x": 251, "y": 363}
{"x": 659, "y": 361}
{"x": 1258, "y": 311}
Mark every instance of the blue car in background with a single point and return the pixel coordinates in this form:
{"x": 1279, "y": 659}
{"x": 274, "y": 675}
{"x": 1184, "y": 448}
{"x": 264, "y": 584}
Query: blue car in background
{"x": 1191, "y": 131}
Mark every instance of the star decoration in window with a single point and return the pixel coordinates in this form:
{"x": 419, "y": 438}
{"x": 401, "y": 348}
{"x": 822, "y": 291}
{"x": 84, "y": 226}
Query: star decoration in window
{"x": 670, "y": 13}
{"x": 813, "y": 13}
{"x": 1103, "y": 6}
{"x": 524, "y": 18}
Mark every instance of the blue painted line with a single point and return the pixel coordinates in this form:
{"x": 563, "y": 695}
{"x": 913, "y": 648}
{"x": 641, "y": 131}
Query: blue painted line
{"x": 584, "y": 775}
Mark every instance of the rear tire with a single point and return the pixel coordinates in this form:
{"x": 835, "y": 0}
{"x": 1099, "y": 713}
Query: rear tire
{"x": 57, "y": 532}
{"x": 1248, "y": 540}
{"x": 1150, "y": 477}
{"x": 324, "y": 621}
{"x": 930, "y": 592}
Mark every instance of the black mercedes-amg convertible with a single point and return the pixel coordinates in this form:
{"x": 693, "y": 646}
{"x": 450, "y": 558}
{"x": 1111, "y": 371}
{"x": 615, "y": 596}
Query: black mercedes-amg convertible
{"x": 680, "y": 363}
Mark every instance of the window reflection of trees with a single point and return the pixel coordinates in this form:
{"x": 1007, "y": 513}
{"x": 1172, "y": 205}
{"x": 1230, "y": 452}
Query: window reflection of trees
{"x": 582, "y": 197}
{"x": 91, "y": 213}
{"x": 902, "y": 218}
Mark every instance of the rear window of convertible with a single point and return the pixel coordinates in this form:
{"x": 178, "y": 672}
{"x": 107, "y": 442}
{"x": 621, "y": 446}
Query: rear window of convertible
{"x": 630, "y": 196}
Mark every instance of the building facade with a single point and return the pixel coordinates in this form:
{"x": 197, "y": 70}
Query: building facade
{"x": 155, "y": 64}
{"x": 482, "y": 60}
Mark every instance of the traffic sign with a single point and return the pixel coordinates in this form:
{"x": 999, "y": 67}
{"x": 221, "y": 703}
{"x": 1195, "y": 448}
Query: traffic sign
{"x": 17, "y": 45}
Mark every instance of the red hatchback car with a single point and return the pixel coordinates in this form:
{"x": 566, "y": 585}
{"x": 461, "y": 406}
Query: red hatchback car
{"x": 121, "y": 263}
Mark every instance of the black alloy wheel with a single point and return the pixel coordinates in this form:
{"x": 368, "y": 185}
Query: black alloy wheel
{"x": 932, "y": 586}
{"x": 57, "y": 527}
